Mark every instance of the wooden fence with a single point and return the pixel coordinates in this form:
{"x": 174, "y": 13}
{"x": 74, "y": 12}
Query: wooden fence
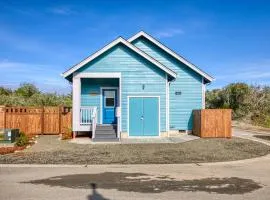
{"x": 212, "y": 123}
{"x": 36, "y": 120}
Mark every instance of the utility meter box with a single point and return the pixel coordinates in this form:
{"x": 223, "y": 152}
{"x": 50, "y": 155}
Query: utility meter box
{"x": 8, "y": 135}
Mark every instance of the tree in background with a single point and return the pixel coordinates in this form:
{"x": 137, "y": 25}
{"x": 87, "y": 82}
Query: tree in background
{"x": 29, "y": 95}
{"x": 250, "y": 103}
{"x": 27, "y": 90}
{"x": 260, "y": 105}
{"x": 5, "y": 91}
{"x": 237, "y": 98}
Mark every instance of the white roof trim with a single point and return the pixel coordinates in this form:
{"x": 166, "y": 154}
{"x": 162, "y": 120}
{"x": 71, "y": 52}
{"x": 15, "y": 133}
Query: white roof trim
{"x": 112, "y": 44}
{"x": 169, "y": 51}
{"x": 97, "y": 75}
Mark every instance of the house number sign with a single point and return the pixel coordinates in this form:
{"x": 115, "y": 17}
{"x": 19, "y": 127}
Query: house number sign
{"x": 94, "y": 93}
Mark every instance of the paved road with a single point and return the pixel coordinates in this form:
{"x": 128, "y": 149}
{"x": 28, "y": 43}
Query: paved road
{"x": 249, "y": 179}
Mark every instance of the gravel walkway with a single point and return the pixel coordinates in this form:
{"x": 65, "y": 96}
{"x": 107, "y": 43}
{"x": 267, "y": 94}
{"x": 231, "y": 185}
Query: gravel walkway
{"x": 51, "y": 150}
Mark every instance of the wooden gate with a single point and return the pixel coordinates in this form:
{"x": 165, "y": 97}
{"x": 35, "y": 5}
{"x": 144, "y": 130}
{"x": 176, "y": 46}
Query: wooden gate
{"x": 36, "y": 120}
{"x": 212, "y": 123}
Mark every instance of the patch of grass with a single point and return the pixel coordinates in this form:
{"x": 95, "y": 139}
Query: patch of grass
{"x": 49, "y": 150}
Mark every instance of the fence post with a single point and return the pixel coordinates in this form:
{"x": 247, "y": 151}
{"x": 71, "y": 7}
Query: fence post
{"x": 2, "y": 116}
{"x": 60, "y": 119}
{"x": 42, "y": 120}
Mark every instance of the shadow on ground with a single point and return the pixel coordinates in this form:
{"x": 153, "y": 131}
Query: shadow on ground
{"x": 264, "y": 137}
{"x": 144, "y": 183}
{"x": 95, "y": 195}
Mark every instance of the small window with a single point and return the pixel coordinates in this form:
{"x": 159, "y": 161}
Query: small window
{"x": 109, "y": 102}
{"x": 109, "y": 97}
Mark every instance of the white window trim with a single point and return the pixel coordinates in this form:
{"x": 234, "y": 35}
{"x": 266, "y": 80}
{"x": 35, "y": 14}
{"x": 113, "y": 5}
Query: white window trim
{"x": 159, "y": 134}
{"x": 112, "y": 97}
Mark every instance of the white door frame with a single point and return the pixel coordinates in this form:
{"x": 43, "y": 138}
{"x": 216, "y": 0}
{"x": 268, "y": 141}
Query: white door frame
{"x": 101, "y": 100}
{"x": 128, "y": 97}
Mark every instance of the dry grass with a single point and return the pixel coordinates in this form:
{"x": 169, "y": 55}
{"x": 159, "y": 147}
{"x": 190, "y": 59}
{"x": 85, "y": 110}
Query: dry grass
{"x": 246, "y": 125}
{"x": 49, "y": 150}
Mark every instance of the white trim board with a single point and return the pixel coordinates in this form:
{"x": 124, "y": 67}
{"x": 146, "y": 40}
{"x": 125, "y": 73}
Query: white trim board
{"x": 128, "y": 97}
{"x": 167, "y": 104}
{"x": 77, "y": 97}
{"x": 169, "y": 51}
{"x": 109, "y": 46}
{"x": 97, "y": 75}
{"x": 76, "y": 104}
{"x": 203, "y": 94}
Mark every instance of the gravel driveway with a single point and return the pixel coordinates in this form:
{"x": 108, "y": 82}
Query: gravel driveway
{"x": 51, "y": 150}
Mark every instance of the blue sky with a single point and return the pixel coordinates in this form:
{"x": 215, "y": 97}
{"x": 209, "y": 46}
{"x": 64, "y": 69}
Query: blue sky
{"x": 40, "y": 39}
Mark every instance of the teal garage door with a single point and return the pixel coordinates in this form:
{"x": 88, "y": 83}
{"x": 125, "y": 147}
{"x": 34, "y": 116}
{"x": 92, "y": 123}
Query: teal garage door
{"x": 143, "y": 116}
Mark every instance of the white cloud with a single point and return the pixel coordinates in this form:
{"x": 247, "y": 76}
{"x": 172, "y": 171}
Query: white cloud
{"x": 21, "y": 67}
{"x": 167, "y": 33}
{"x": 46, "y": 77}
{"x": 251, "y": 73}
{"x": 255, "y": 70}
{"x": 63, "y": 10}
{"x": 11, "y": 65}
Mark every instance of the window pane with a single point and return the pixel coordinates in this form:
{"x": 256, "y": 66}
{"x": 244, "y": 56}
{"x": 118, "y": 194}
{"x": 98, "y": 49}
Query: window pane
{"x": 109, "y": 102}
{"x": 109, "y": 94}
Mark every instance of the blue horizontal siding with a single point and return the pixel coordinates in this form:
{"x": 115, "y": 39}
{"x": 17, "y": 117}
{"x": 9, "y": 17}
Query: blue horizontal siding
{"x": 188, "y": 82}
{"x": 135, "y": 71}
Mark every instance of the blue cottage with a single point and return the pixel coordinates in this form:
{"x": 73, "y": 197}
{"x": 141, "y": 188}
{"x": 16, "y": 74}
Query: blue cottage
{"x": 135, "y": 88}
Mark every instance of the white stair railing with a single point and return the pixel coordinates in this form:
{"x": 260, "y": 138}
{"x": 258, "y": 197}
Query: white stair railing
{"x": 88, "y": 116}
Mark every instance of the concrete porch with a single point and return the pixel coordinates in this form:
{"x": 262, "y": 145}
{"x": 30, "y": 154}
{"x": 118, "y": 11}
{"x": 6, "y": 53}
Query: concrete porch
{"x": 179, "y": 139}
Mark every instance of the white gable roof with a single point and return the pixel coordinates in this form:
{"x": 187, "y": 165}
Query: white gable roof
{"x": 169, "y": 51}
{"x": 112, "y": 44}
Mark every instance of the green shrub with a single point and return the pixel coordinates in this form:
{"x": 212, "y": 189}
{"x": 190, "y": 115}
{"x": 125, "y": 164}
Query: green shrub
{"x": 248, "y": 102}
{"x": 261, "y": 120}
{"x": 22, "y": 140}
{"x": 29, "y": 95}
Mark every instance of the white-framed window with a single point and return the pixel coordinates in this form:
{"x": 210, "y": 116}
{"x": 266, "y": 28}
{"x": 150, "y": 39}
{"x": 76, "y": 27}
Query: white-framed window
{"x": 109, "y": 99}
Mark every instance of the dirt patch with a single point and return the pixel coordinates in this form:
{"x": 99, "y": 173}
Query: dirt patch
{"x": 264, "y": 137}
{"x": 6, "y": 150}
{"x": 248, "y": 126}
{"x": 51, "y": 150}
{"x": 144, "y": 183}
